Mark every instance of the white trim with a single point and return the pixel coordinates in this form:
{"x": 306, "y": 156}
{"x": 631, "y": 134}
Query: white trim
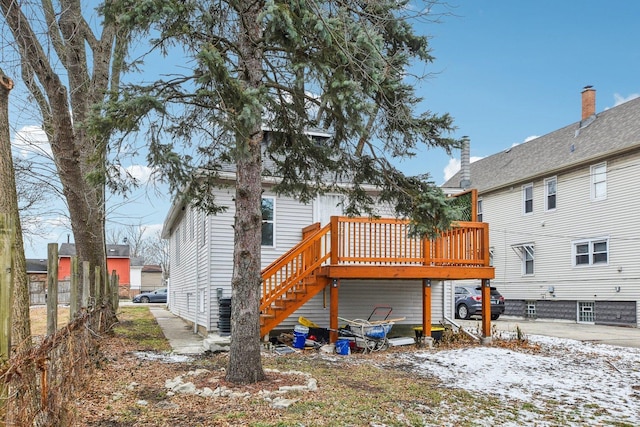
{"x": 524, "y": 199}
{"x": 590, "y": 253}
{"x": 598, "y": 177}
{"x": 272, "y": 221}
{"x": 546, "y": 194}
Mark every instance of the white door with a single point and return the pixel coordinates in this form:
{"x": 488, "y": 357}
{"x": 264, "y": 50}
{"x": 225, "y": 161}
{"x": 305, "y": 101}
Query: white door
{"x": 324, "y": 207}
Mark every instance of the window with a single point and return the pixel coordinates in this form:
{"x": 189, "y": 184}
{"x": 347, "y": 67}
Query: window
{"x": 591, "y": 252}
{"x": 203, "y": 228}
{"x": 550, "y": 189}
{"x": 268, "y": 221}
{"x": 177, "y": 243}
{"x": 586, "y": 312}
{"x": 531, "y": 309}
{"x": 599, "y": 182}
{"x": 479, "y": 210}
{"x": 527, "y": 198}
{"x": 526, "y": 253}
{"x": 192, "y": 227}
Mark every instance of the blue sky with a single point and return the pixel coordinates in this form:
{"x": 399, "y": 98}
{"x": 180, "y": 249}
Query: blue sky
{"x": 506, "y": 71}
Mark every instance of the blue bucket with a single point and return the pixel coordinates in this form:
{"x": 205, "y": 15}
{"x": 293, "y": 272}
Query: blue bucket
{"x": 343, "y": 347}
{"x": 300, "y": 336}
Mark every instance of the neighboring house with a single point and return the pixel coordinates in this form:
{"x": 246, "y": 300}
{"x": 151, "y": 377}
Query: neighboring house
{"x": 38, "y": 283}
{"x": 564, "y": 219}
{"x": 151, "y": 278}
{"x": 37, "y": 274}
{"x": 117, "y": 260}
{"x": 373, "y": 264}
{"x": 135, "y": 277}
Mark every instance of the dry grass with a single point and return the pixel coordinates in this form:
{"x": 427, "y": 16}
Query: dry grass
{"x": 38, "y": 316}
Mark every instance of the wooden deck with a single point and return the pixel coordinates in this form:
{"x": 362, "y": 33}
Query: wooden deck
{"x": 364, "y": 248}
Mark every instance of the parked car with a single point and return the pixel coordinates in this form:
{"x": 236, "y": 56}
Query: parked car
{"x": 159, "y": 295}
{"x": 469, "y": 302}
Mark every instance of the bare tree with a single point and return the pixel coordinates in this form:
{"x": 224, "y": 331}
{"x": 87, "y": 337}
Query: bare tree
{"x": 56, "y": 43}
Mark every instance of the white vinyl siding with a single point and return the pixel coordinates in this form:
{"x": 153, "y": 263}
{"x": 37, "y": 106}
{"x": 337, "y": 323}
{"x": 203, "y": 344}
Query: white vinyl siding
{"x": 578, "y": 219}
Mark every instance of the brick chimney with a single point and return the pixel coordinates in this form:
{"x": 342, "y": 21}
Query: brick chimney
{"x": 588, "y": 102}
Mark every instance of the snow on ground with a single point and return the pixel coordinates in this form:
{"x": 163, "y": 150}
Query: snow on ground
{"x": 578, "y": 381}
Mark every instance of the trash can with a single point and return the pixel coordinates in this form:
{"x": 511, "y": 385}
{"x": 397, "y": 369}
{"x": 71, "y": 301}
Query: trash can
{"x": 224, "y": 316}
{"x": 300, "y": 334}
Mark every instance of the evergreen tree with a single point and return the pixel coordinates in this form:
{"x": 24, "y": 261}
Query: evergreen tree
{"x": 288, "y": 66}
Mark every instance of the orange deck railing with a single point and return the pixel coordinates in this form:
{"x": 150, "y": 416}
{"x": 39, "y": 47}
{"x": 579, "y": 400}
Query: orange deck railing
{"x": 292, "y": 279}
{"x": 388, "y": 242}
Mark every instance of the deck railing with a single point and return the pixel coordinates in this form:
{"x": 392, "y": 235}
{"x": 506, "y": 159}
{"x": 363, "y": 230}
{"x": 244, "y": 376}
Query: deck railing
{"x": 375, "y": 242}
{"x": 388, "y": 242}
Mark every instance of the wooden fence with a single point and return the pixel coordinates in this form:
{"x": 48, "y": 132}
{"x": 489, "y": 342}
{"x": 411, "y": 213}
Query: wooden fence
{"x": 40, "y": 385}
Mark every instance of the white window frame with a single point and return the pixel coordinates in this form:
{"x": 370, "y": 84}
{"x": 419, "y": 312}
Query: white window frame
{"x": 177, "y": 243}
{"x": 591, "y": 251}
{"x": 598, "y": 179}
{"x": 524, "y": 199}
{"x": 479, "y": 211}
{"x": 548, "y": 194}
{"x": 271, "y": 221}
{"x": 527, "y": 254}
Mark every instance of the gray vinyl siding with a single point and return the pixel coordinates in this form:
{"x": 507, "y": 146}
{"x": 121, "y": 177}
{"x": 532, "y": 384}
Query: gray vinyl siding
{"x": 552, "y": 232}
{"x": 358, "y": 298}
{"x": 213, "y": 263}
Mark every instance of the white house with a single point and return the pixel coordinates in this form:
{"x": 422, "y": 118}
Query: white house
{"x": 564, "y": 222}
{"x": 201, "y": 260}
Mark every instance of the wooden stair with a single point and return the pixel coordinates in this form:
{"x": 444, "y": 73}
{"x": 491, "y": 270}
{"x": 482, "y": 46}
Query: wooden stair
{"x": 293, "y": 279}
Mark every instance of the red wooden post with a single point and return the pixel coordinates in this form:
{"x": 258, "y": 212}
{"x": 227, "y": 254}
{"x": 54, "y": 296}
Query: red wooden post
{"x": 426, "y": 307}
{"x": 486, "y": 308}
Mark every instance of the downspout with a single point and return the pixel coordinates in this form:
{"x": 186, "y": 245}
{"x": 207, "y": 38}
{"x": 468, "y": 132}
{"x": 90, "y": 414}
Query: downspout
{"x": 195, "y": 315}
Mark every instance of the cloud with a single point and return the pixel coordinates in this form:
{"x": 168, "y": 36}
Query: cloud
{"x": 619, "y": 99}
{"x": 30, "y": 140}
{"x": 527, "y": 139}
{"x": 454, "y": 166}
{"x": 142, "y": 174}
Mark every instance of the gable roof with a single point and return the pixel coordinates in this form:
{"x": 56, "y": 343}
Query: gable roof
{"x": 36, "y": 265}
{"x": 113, "y": 251}
{"x": 611, "y": 132}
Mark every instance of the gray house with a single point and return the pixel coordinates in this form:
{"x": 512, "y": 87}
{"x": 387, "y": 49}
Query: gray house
{"x": 564, "y": 225}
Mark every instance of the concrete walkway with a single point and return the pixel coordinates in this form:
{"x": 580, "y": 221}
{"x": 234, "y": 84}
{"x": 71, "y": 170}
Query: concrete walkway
{"x": 612, "y": 335}
{"x": 180, "y": 334}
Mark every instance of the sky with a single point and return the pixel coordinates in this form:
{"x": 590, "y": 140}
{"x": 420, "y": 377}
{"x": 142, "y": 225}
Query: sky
{"x": 506, "y": 71}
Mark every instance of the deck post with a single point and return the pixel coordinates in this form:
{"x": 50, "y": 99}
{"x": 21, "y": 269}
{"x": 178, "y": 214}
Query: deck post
{"x": 426, "y": 307}
{"x": 486, "y": 311}
{"x": 333, "y": 310}
{"x": 335, "y": 250}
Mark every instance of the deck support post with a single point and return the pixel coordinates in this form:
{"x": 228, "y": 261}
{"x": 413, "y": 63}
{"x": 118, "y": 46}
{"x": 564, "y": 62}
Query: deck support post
{"x": 486, "y": 310}
{"x": 426, "y": 307}
{"x": 333, "y": 310}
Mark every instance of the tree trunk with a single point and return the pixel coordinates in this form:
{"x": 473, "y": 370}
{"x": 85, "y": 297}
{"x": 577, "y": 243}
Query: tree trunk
{"x": 21, "y": 327}
{"x": 64, "y": 111}
{"x": 20, "y": 323}
{"x": 245, "y": 365}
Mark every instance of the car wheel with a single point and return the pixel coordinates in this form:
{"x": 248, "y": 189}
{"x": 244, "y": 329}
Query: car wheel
{"x": 144, "y": 299}
{"x": 463, "y": 311}
{"x": 495, "y": 316}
